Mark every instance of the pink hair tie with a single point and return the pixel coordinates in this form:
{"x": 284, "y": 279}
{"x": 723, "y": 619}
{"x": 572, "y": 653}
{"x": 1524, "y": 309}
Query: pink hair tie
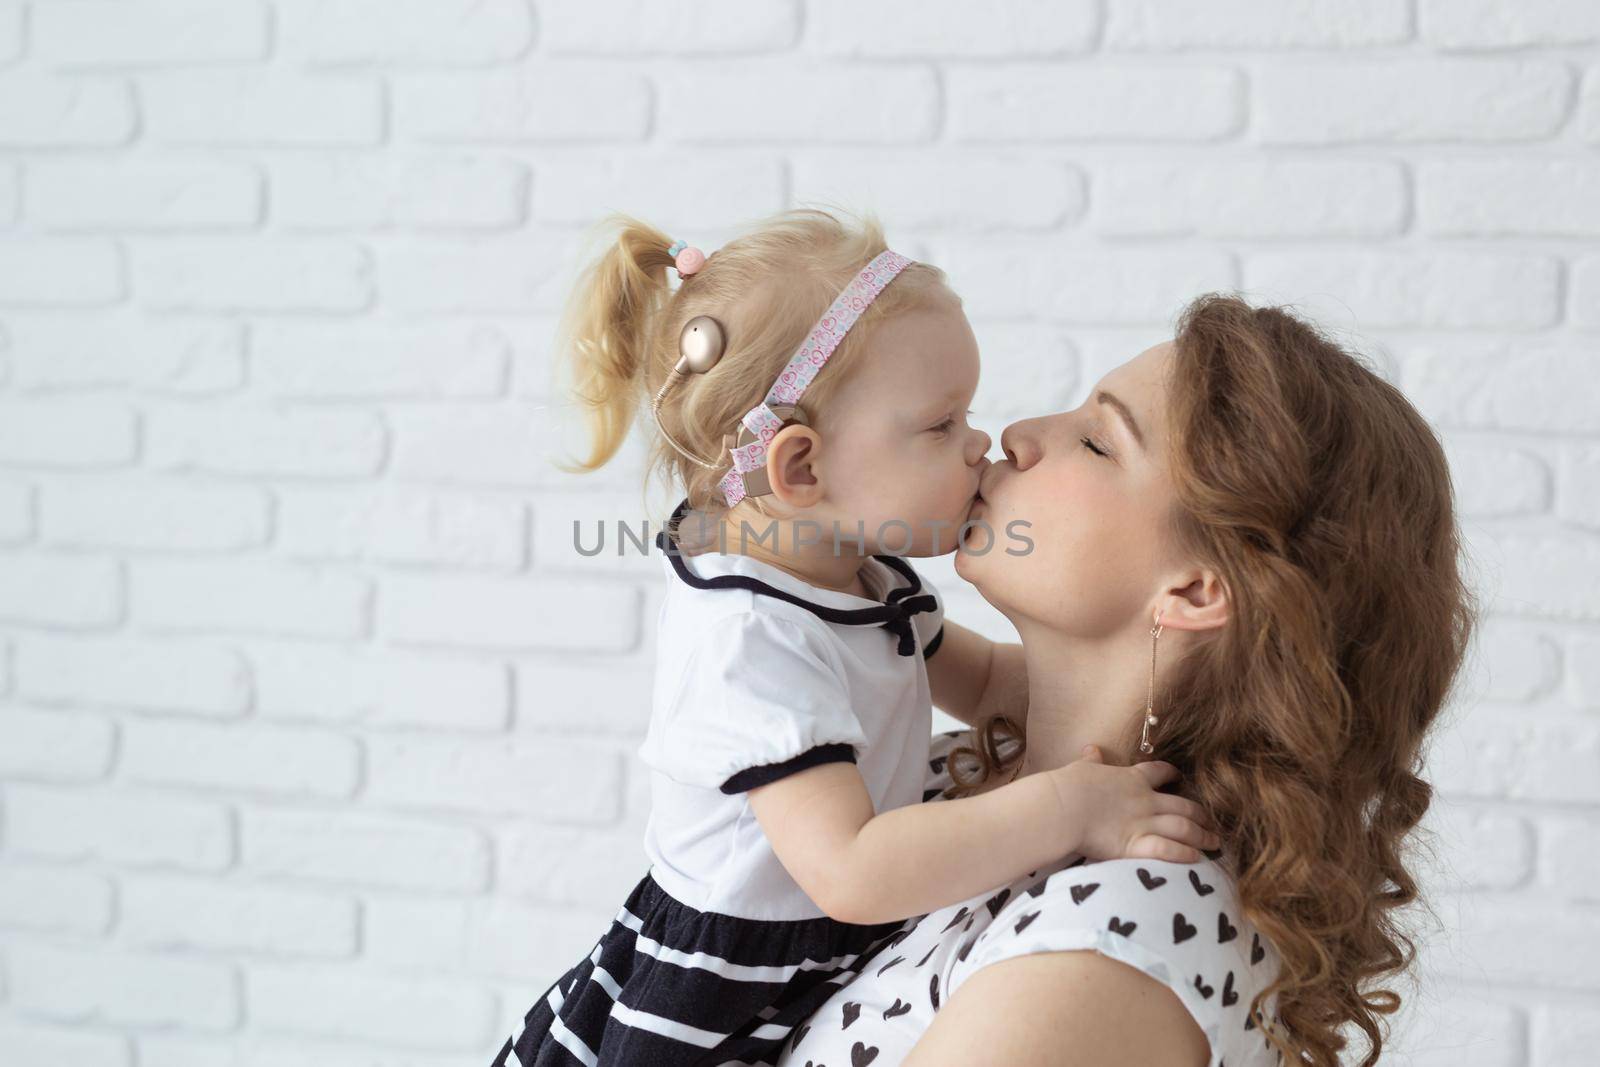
{"x": 686, "y": 258}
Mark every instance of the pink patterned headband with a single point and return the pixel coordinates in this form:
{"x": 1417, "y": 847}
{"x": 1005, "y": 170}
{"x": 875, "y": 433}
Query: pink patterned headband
{"x": 803, "y": 366}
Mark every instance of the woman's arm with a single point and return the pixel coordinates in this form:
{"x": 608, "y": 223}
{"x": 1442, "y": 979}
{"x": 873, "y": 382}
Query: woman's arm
{"x": 1062, "y": 1009}
{"x": 973, "y": 678}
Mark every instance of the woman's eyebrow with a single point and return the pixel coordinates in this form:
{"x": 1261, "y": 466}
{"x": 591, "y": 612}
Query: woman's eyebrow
{"x": 1122, "y": 409}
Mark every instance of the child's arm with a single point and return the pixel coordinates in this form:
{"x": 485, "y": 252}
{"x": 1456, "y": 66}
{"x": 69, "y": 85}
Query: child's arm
{"x": 860, "y": 867}
{"x": 973, "y": 678}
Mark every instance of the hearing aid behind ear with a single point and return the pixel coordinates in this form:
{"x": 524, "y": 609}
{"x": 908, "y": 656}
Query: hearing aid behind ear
{"x": 701, "y": 343}
{"x": 755, "y": 480}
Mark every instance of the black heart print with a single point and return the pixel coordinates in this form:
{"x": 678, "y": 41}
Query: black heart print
{"x": 929, "y": 794}
{"x": 930, "y": 953}
{"x": 900, "y": 1008}
{"x": 1150, "y": 881}
{"x": 966, "y": 948}
{"x": 962, "y": 914}
{"x": 1226, "y": 931}
{"x": 1205, "y": 990}
{"x": 861, "y": 1055}
{"x": 1256, "y": 951}
{"x": 996, "y": 902}
{"x": 1229, "y": 997}
{"x": 1022, "y": 923}
{"x": 799, "y": 1035}
{"x": 1199, "y": 886}
{"x": 1126, "y": 929}
{"x": 936, "y": 764}
{"x": 1181, "y": 930}
{"x": 933, "y": 990}
{"x": 1249, "y": 1020}
{"x": 1038, "y": 887}
{"x": 1081, "y": 893}
{"x": 852, "y": 1011}
{"x": 891, "y": 963}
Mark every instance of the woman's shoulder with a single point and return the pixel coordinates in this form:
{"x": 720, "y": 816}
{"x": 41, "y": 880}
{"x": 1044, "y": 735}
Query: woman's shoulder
{"x": 1178, "y": 923}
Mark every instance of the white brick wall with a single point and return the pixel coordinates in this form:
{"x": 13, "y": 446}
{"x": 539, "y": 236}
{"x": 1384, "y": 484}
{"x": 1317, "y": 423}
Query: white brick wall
{"x": 316, "y": 736}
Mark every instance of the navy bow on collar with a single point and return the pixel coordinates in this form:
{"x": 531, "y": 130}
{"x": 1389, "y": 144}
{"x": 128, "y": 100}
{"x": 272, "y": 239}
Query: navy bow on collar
{"x": 899, "y": 623}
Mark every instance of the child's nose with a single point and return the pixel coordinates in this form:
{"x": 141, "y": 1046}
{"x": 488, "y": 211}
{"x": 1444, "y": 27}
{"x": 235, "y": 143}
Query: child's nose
{"x": 978, "y": 447}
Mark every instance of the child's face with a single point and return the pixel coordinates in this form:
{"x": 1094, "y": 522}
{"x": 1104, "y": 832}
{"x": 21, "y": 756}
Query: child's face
{"x": 898, "y": 445}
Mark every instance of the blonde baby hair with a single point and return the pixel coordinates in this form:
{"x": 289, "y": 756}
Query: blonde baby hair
{"x": 767, "y": 286}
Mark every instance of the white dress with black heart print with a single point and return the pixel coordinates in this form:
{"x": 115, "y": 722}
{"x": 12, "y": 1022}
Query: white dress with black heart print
{"x": 1178, "y": 923}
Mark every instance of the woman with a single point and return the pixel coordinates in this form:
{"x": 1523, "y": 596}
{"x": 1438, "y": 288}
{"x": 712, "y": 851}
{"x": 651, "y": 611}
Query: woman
{"x": 1251, "y": 534}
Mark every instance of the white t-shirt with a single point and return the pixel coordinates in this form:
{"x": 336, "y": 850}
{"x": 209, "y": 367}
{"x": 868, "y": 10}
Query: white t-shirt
{"x": 1179, "y": 923}
{"x": 763, "y": 675}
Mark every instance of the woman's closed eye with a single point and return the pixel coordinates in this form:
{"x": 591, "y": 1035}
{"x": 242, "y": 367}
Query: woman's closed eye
{"x": 1089, "y": 443}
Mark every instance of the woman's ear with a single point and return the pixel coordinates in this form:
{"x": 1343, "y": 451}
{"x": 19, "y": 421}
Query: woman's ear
{"x": 790, "y": 466}
{"x": 1197, "y": 600}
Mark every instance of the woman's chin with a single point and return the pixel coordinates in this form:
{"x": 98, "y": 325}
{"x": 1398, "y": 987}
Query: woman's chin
{"x": 973, "y": 535}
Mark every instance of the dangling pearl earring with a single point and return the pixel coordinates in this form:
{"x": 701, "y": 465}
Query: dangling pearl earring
{"x": 1149, "y": 704}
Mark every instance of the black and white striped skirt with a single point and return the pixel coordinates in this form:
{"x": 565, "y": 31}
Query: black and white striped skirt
{"x": 669, "y": 985}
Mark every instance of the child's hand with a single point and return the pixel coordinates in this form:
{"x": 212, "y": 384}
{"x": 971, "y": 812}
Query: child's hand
{"x": 1122, "y": 815}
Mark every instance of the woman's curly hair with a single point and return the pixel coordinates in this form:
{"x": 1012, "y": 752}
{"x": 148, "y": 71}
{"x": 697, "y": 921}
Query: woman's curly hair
{"x": 1323, "y": 501}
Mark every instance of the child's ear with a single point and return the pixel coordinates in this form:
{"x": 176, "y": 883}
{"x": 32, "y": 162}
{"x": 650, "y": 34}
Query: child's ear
{"x": 791, "y": 466}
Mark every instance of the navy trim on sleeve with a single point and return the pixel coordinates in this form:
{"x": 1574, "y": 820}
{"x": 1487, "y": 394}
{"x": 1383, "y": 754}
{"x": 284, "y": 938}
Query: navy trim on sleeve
{"x": 751, "y": 777}
{"x": 933, "y": 646}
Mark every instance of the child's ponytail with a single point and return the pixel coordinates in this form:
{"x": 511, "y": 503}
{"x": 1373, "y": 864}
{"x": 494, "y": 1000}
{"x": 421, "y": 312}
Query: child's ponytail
{"x": 606, "y": 332}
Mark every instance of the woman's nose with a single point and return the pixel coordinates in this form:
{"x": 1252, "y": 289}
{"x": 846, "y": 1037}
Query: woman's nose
{"x": 1020, "y": 443}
